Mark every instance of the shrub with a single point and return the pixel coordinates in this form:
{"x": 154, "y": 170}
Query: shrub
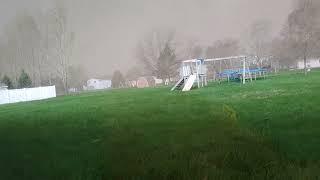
{"x": 7, "y": 81}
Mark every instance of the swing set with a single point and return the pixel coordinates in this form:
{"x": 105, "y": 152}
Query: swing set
{"x": 226, "y": 68}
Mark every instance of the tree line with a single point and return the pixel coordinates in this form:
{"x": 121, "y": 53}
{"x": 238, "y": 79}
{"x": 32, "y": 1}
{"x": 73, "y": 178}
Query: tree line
{"x": 38, "y": 45}
{"x": 298, "y": 40}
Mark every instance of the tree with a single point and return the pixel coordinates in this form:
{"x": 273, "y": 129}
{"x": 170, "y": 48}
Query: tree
{"x": 134, "y": 73}
{"x": 7, "y": 81}
{"x": 190, "y": 50}
{"x": 24, "y": 80}
{"x": 157, "y": 53}
{"x": 118, "y": 80}
{"x": 77, "y": 77}
{"x": 221, "y": 48}
{"x": 166, "y": 65}
{"x": 196, "y": 52}
{"x": 302, "y": 30}
{"x": 26, "y": 38}
{"x": 30, "y": 37}
{"x": 281, "y": 57}
{"x": 63, "y": 40}
{"x": 259, "y": 40}
{"x": 22, "y": 44}
{"x": 40, "y": 44}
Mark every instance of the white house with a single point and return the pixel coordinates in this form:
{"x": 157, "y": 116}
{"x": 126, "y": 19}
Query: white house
{"x": 311, "y": 63}
{"x": 97, "y": 84}
{"x": 157, "y": 81}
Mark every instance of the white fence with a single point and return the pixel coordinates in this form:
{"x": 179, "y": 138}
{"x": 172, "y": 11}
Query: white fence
{"x": 29, "y": 94}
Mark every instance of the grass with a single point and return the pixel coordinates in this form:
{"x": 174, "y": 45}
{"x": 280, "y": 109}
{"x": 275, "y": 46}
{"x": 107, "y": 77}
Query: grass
{"x": 267, "y": 129}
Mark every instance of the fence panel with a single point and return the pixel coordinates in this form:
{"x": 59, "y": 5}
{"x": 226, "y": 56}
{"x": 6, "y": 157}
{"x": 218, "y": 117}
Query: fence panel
{"x": 29, "y": 94}
{"x": 4, "y": 97}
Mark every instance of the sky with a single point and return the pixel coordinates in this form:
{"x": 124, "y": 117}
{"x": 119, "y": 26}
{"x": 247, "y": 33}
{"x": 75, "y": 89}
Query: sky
{"x": 107, "y": 31}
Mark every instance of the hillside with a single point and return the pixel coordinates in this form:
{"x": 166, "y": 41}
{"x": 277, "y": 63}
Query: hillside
{"x": 264, "y": 129}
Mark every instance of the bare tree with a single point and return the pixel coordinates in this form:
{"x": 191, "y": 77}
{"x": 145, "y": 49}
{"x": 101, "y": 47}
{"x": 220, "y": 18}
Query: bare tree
{"x": 42, "y": 46}
{"x": 15, "y": 52}
{"x": 221, "y": 48}
{"x": 157, "y": 53}
{"x": 134, "y": 73}
{"x": 77, "y": 76}
{"x": 167, "y": 64}
{"x": 30, "y": 37}
{"x": 191, "y": 50}
{"x": 22, "y": 46}
{"x": 43, "y": 66}
{"x": 63, "y": 42}
{"x": 259, "y": 40}
{"x": 302, "y": 30}
{"x": 280, "y": 55}
{"x": 49, "y": 62}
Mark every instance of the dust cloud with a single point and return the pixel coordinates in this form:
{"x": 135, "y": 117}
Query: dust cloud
{"x": 107, "y": 31}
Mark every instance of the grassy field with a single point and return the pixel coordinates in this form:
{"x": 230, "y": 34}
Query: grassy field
{"x": 268, "y": 129}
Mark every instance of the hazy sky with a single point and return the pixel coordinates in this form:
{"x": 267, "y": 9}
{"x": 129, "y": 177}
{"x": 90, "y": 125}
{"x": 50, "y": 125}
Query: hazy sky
{"x": 107, "y": 31}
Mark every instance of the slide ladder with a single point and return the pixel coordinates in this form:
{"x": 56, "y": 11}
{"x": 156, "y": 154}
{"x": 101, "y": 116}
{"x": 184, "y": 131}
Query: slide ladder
{"x": 179, "y": 84}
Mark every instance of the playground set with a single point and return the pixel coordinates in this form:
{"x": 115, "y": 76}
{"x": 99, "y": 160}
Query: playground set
{"x": 235, "y": 68}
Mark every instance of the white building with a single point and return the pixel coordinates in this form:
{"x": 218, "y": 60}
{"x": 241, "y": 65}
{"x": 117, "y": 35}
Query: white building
{"x": 98, "y": 84}
{"x": 157, "y": 81}
{"x": 311, "y": 63}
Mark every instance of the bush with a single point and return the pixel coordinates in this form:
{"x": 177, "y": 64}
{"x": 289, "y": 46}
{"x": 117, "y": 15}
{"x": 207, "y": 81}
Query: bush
{"x": 7, "y": 81}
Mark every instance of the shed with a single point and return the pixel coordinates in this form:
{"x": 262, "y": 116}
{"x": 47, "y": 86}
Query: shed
{"x": 142, "y": 82}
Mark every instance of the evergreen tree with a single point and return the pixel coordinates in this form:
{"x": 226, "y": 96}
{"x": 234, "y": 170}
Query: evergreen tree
{"x": 24, "y": 80}
{"x": 118, "y": 80}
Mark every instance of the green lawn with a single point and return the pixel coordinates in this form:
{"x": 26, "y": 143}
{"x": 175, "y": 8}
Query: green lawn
{"x": 268, "y": 129}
